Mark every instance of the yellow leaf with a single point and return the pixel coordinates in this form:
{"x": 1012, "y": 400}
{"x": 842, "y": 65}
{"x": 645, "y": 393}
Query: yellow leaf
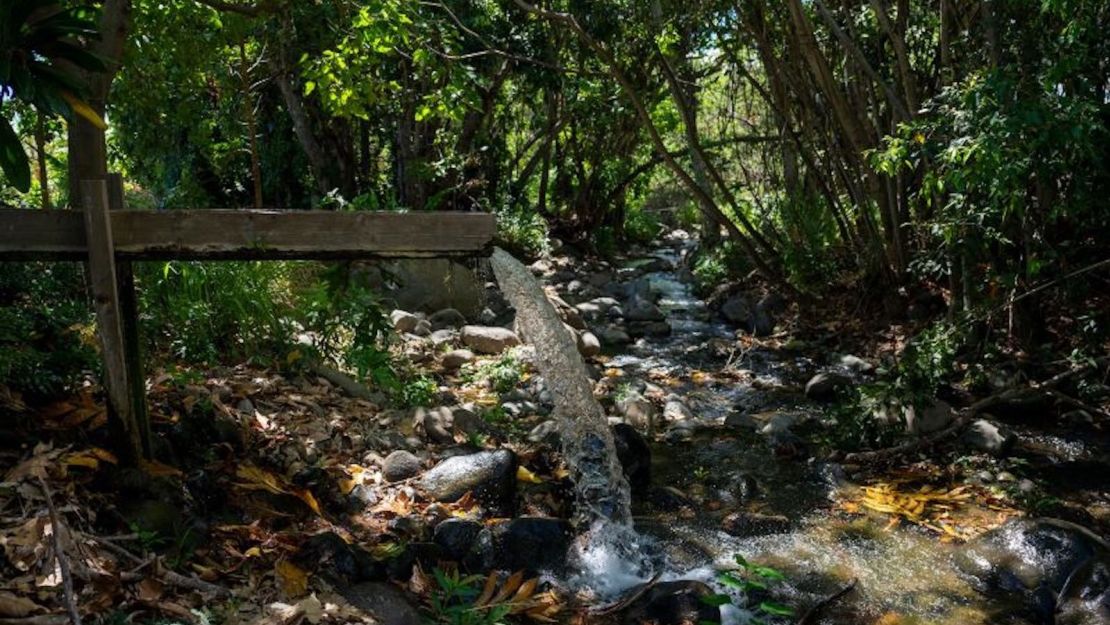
{"x": 253, "y": 552}
{"x": 487, "y": 590}
{"x": 293, "y": 357}
{"x": 524, "y": 475}
{"x": 83, "y": 110}
{"x": 292, "y": 579}
{"x": 157, "y": 469}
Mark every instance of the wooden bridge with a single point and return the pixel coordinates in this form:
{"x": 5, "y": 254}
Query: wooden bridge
{"x": 109, "y": 237}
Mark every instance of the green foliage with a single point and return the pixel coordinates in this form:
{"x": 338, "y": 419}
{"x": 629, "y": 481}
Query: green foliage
{"x": 214, "y": 312}
{"x": 32, "y": 43}
{"x": 47, "y": 337}
{"x": 750, "y": 578}
{"x": 453, "y": 601}
{"x": 502, "y": 374}
{"x": 522, "y": 233}
{"x": 715, "y": 265}
{"x": 641, "y": 226}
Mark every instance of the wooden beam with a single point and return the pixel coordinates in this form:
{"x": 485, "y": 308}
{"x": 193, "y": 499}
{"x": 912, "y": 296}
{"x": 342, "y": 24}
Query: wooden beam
{"x": 129, "y": 323}
{"x": 109, "y": 327}
{"x": 215, "y": 234}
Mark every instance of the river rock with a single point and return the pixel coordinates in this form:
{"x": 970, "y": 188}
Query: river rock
{"x": 435, "y": 424}
{"x": 672, "y": 603}
{"x": 1034, "y": 557}
{"x": 649, "y": 328}
{"x": 588, "y": 344}
{"x": 635, "y": 457}
{"x": 638, "y": 411}
{"x": 856, "y": 365}
{"x": 457, "y": 537}
{"x": 388, "y": 604}
{"x": 400, "y": 465}
{"x": 824, "y": 386}
{"x": 447, "y": 318}
{"x": 989, "y": 437}
{"x": 546, "y": 433}
{"x": 640, "y": 308}
{"x": 443, "y": 337}
{"x": 612, "y": 335}
{"x": 402, "y": 321}
{"x": 489, "y": 339}
{"x": 748, "y": 524}
{"x": 454, "y": 359}
{"x": 491, "y": 475}
{"x": 676, "y": 410}
{"x": 930, "y": 418}
{"x": 737, "y": 309}
{"x": 532, "y": 544}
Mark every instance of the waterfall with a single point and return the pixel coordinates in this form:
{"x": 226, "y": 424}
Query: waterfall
{"x": 610, "y": 556}
{"x": 602, "y": 489}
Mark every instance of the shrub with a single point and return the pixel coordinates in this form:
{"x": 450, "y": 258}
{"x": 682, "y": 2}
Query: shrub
{"x": 46, "y": 328}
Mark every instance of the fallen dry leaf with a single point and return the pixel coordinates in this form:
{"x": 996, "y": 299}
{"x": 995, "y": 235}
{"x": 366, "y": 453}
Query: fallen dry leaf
{"x": 292, "y": 579}
{"x": 12, "y": 606}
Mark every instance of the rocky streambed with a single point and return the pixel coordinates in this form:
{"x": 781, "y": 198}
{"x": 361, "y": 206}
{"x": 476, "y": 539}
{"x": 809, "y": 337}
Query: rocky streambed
{"x": 742, "y": 505}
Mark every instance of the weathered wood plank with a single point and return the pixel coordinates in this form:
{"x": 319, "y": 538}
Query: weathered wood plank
{"x": 249, "y": 234}
{"x": 104, "y": 288}
{"x": 39, "y": 234}
{"x": 129, "y": 323}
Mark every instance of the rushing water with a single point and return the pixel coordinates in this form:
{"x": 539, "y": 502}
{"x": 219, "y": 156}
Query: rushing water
{"x": 609, "y": 556}
{"x": 904, "y": 575}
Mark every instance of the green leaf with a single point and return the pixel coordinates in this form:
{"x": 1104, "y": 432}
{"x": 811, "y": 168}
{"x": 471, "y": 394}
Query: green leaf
{"x": 716, "y": 601}
{"x": 776, "y": 609}
{"x": 13, "y": 160}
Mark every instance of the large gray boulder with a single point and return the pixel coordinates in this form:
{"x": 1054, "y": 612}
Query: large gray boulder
{"x": 990, "y": 437}
{"x": 489, "y": 339}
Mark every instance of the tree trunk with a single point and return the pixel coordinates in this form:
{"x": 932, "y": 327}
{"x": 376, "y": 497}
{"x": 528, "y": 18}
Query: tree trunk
{"x": 88, "y": 152}
{"x": 40, "y": 153}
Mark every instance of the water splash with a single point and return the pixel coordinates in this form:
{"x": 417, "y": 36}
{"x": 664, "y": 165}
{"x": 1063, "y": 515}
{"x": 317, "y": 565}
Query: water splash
{"x": 610, "y": 550}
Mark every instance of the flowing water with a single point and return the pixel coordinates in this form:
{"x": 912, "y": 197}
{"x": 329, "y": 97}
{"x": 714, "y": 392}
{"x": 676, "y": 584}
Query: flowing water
{"x": 902, "y": 572}
{"x": 609, "y": 556}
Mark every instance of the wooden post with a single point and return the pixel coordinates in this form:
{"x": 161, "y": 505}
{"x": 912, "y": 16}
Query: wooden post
{"x": 105, "y": 291}
{"x": 129, "y": 322}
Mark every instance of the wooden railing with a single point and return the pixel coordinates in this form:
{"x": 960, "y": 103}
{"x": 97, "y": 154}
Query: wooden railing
{"x": 109, "y": 237}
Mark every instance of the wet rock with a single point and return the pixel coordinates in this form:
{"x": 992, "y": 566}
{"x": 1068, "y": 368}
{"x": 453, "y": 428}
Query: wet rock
{"x": 532, "y": 544}
{"x": 668, "y": 498}
{"x": 824, "y": 386}
{"x": 989, "y": 437}
{"x": 588, "y": 344}
{"x": 454, "y": 359}
{"x": 856, "y": 365}
{"x": 640, "y": 308}
{"x": 443, "y": 337}
{"x": 672, "y": 603}
{"x": 435, "y": 424}
{"x": 741, "y": 421}
{"x": 457, "y": 537}
{"x": 546, "y": 433}
{"x": 638, "y": 411}
{"x": 490, "y": 475}
{"x": 489, "y": 339}
{"x": 423, "y": 328}
{"x": 400, "y": 465}
{"x": 649, "y": 328}
{"x": 748, "y": 524}
{"x": 612, "y": 335}
{"x": 402, "y": 321}
{"x": 635, "y": 457}
{"x": 329, "y": 555}
{"x": 676, "y": 410}
{"x": 1029, "y": 554}
{"x": 928, "y": 419}
{"x": 737, "y": 309}
{"x": 447, "y": 318}
{"x": 388, "y": 604}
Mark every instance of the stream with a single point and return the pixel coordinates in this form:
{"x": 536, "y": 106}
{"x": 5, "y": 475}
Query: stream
{"x": 728, "y": 444}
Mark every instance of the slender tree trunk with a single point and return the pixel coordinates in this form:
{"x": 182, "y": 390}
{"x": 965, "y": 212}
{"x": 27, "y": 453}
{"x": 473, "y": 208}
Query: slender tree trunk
{"x": 40, "y": 153}
{"x": 252, "y": 124}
